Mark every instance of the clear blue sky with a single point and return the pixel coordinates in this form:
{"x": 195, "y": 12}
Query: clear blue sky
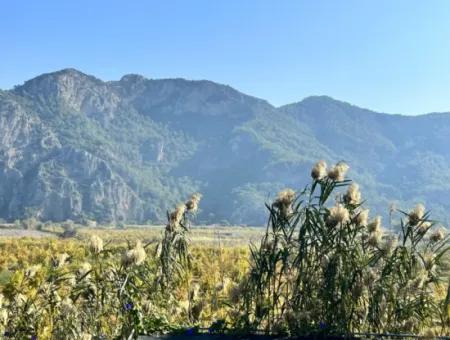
{"x": 391, "y": 56}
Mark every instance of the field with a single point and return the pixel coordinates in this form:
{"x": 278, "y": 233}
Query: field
{"x": 318, "y": 268}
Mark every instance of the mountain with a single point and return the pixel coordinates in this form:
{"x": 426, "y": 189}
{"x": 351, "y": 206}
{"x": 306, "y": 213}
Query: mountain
{"x": 76, "y": 147}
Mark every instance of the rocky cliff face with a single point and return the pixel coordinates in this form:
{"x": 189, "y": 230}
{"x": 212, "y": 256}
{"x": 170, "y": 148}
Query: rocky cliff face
{"x": 74, "y": 147}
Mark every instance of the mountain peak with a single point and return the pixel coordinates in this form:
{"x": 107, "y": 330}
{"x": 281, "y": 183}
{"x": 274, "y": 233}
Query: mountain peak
{"x": 132, "y": 78}
{"x": 58, "y": 81}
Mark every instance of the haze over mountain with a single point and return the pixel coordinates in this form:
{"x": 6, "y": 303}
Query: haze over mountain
{"x": 76, "y": 147}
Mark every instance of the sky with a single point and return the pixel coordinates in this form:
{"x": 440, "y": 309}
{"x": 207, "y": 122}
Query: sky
{"x": 389, "y": 56}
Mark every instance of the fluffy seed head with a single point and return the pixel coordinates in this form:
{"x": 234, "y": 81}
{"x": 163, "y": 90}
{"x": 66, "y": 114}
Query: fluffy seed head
{"x": 192, "y": 203}
{"x": 135, "y": 256}
{"x": 424, "y": 226}
{"x": 437, "y": 236}
{"x": 84, "y": 269}
{"x": 416, "y": 214}
{"x": 375, "y": 238}
{"x": 284, "y": 201}
{"x": 375, "y": 225}
{"x": 362, "y": 218}
{"x": 61, "y": 260}
{"x": 338, "y": 214}
{"x": 177, "y": 215}
{"x": 338, "y": 172}
{"x": 353, "y": 195}
{"x": 285, "y": 197}
{"x": 96, "y": 244}
{"x": 319, "y": 170}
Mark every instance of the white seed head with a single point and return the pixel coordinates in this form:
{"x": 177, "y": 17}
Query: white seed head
{"x": 353, "y": 195}
{"x": 362, "y": 218}
{"x": 416, "y": 214}
{"x": 424, "y": 226}
{"x": 375, "y": 225}
{"x": 338, "y": 215}
{"x": 135, "y": 256}
{"x": 96, "y": 244}
{"x": 84, "y": 269}
{"x": 338, "y": 172}
{"x": 319, "y": 170}
{"x": 375, "y": 238}
{"x": 284, "y": 201}
{"x": 437, "y": 236}
{"x": 192, "y": 203}
{"x": 177, "y": 215}
{"x": 61, "y": 260}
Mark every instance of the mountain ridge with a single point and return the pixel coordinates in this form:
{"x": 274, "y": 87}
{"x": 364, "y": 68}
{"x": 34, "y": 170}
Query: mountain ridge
{"x": 75, "y": 146}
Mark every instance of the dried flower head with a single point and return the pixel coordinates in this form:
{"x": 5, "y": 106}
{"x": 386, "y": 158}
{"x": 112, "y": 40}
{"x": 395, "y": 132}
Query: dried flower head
{"x": 61, "y": 260}
{"x": 192, "y": 203}
{"x": 84, "y": 269}
{"x": 338, "y": 172}
{"x": 437, "y": 236}
{"x": 375, "y": 238}
{"x": 319, "y": 170}
{"x": 375, "y": 225}
{"x": 417, "y": 214}
{"x": 284, "y": 201}
{"x": 353, "y": 195}
{"x": 96, "y": 244}
{"x": 338, "y": 215}
{"x": 362, "y": 218}
{"x": 176, "y": 216}
{"x": 135, "y": 256}
{"x": 285, "y": 197}
{"x": 424, "y": 226}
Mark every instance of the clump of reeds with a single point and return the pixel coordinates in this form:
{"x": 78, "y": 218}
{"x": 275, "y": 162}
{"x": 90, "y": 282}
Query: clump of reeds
{"x": 324, "y": 268}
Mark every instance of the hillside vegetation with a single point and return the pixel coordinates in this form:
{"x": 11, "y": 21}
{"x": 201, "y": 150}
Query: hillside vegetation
{"x": 76, "y": 147}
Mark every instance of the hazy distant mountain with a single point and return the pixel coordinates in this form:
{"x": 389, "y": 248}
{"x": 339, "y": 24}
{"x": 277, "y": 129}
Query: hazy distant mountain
{"x": 74, "y": 146}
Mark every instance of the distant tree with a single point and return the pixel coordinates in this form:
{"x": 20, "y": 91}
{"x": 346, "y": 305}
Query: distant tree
{"x": 69, "y": 229}
{"x": 29, "y": 223}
